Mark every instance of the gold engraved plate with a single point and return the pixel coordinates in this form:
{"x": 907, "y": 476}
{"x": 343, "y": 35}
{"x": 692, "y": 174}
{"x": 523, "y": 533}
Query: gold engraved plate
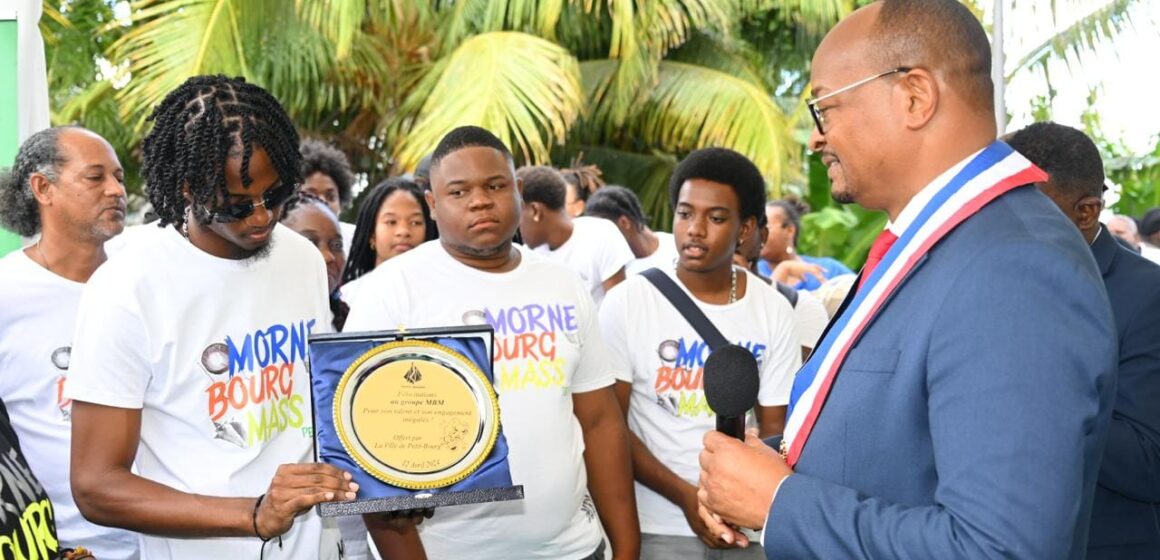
{"x": 416, "y": 415}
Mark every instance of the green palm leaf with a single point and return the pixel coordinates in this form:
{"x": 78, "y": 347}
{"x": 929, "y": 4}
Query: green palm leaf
{"x": 694, "y": 107}
{"x": 522, "y": 88}
{"x": 173, "y": 40}
{"x": 1081, "y": 37}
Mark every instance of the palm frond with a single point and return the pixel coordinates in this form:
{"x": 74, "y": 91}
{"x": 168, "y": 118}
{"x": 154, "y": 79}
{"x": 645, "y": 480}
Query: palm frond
{"x": 172, "y": 40}
{"x": 695, "y": 107}
{"x": 1081, "y": 37}
{"x": 337, "y": 20}
{"x": 643, "y": 33}
{"x": 522, "y": 88}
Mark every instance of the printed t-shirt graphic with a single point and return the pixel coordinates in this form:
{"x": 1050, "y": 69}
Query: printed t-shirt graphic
{"x": 547, "y": 347}
{"x": 213, "y": 353}
{"x": 655, "y": 349}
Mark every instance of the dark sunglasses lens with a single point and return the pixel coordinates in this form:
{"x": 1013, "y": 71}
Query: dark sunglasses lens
{"x": 234, "y": 212}
{"x": 278, "y": 197}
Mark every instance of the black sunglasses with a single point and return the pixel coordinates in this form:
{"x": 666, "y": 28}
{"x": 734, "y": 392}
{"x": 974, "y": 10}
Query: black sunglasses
{"x": 272, "y": 199}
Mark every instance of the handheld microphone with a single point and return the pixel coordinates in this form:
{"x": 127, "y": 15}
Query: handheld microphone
{"x": 731, "y": 382}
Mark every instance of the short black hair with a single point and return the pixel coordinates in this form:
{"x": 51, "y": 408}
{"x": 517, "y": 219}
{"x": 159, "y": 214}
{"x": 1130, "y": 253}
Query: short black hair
{"x": 423, "y": 173}
{"x": 320, "y": 157}
{"x": 1068, "y": 156}
{"x": 468, "y": 137}
{"x": 198, "y": 127}
{"x": 586, "y": 179}
{"x": 722, "y": 165}
{"x": 941, "y": 35}
{"x": 1150, "y": 222}
{"x": 361, "y": 259}
{"x": 40, "y": 153}
{"x": 613, "y": 201}
{"x": 792, "y": 215}
{"x": 545, "y": 185}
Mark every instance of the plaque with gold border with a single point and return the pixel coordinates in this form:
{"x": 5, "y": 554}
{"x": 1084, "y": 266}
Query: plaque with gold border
{"x": 413, "y": 415}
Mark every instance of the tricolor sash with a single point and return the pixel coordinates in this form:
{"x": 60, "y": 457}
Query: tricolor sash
{"x": 984, "y": 177}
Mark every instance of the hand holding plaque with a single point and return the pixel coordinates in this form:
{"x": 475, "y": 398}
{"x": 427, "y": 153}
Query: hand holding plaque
{"x": 414, "y": 415}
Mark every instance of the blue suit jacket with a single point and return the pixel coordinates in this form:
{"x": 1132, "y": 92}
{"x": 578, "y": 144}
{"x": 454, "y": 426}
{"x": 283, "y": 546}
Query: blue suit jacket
{"x": 1126, "y": 515}
{"x": 969, "y": 418}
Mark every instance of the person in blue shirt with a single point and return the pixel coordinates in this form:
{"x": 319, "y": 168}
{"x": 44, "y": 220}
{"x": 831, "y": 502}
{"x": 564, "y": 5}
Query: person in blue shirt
{"x": 780, "y": 247}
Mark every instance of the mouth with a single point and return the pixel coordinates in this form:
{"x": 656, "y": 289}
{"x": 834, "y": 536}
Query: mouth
{"x": 402, "y": 247}
{"x": 483, "y": 223}
{"x": 260, "y": 235}
{"x": 693, "y": 250}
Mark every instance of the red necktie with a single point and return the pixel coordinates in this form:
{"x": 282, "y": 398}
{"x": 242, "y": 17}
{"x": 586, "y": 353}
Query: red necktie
{"x": 878, "y": 250}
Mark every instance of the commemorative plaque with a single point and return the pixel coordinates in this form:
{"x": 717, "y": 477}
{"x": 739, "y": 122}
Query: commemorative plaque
{"x": 412, "y": 415}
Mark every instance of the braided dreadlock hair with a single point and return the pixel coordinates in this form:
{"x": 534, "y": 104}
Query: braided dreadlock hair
{"x": 612, "y": 202}
{"x": 200, "y": 125}
{"x": 362, "y": 258}
{"x": 586, "y": 179}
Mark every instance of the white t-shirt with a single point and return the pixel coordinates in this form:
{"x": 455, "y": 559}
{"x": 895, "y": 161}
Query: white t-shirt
{"x": 1150, "y": 252}
{"x": 809, "y": 318}
{"x": 213, "y": 353}
{"x": 653, "y": 347}
{"x": 547, "y": 347}
{"x": 596, "y": 250}
{"x": 347, "y": 231}
{"x": 664, "y": 258}
{"x": 37, "y": 313}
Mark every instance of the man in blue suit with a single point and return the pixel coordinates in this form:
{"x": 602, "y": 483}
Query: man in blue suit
{"x": 1126, "y": 513}
{"x": 958, "y": 405}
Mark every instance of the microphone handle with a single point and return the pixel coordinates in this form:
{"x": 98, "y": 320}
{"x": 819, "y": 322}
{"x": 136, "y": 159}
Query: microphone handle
{"x": 733, "y": 426}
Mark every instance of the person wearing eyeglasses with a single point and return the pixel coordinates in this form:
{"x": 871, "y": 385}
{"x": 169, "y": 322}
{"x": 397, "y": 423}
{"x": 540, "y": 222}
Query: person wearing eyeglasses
{"x": 191, "y": 419}
{"x": 958, "y": 404}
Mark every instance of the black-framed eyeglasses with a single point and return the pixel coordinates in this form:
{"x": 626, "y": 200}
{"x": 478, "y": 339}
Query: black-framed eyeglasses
{"x": 820, "y": 119}
{"x": 272, "y": 199}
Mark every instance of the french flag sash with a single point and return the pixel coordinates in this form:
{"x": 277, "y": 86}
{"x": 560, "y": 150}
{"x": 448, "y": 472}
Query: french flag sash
{"x": 967, "y": 188}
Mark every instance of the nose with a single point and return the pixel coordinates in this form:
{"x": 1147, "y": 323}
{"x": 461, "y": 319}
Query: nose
{"x": 696, "y": 227}
{"x": 817, "y": 140}
{"x": 262, "y": 216}
{"x": 480, "y": 199}
{"x": 115, "y": 188}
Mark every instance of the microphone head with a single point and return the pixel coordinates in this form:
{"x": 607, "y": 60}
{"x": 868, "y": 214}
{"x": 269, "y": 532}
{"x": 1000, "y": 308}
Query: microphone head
{"x": 731, "y": 380}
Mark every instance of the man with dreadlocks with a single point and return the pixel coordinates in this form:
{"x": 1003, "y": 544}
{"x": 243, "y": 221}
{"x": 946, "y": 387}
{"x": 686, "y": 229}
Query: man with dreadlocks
{"x": 188, "y": 362}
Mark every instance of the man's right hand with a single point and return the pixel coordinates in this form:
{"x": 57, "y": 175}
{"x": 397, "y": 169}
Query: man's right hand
{"x": 297, "y": 488}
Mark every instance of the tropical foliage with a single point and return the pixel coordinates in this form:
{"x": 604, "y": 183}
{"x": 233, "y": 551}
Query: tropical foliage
{"x": 630, "y": 85}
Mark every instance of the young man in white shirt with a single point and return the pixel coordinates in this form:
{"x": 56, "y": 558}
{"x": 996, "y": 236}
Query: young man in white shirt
{"x": 67, "y": 187}
{"x": 190, "y": 392}
{"x": 659, "y": 357}
{"x": 590, "y": 246}
{"x": 566, "y": 436}
{"x": 652, "y": 249}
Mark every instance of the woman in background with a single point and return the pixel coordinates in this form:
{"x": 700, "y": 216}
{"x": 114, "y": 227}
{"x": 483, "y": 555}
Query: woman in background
{"x": 312, "y": 218}
{"x": 392, "y": 219}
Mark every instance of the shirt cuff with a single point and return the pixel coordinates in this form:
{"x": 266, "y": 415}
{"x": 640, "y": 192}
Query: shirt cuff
{"x": 769, "y": 509}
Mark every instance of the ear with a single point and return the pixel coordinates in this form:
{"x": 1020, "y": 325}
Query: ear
{"x": 430, "y": 196}
{"x": 920, "y": 97}
{"x": 747, "y": 227}
{"x": 41, "y": 188}
{"x": 1087, "y": 212}
{"x": 624, "y": 223}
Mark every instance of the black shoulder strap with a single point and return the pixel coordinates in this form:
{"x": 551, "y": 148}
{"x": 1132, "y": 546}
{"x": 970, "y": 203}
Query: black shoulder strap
{"x": 787, "y": 292}
{"x": 688, "y": 309}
